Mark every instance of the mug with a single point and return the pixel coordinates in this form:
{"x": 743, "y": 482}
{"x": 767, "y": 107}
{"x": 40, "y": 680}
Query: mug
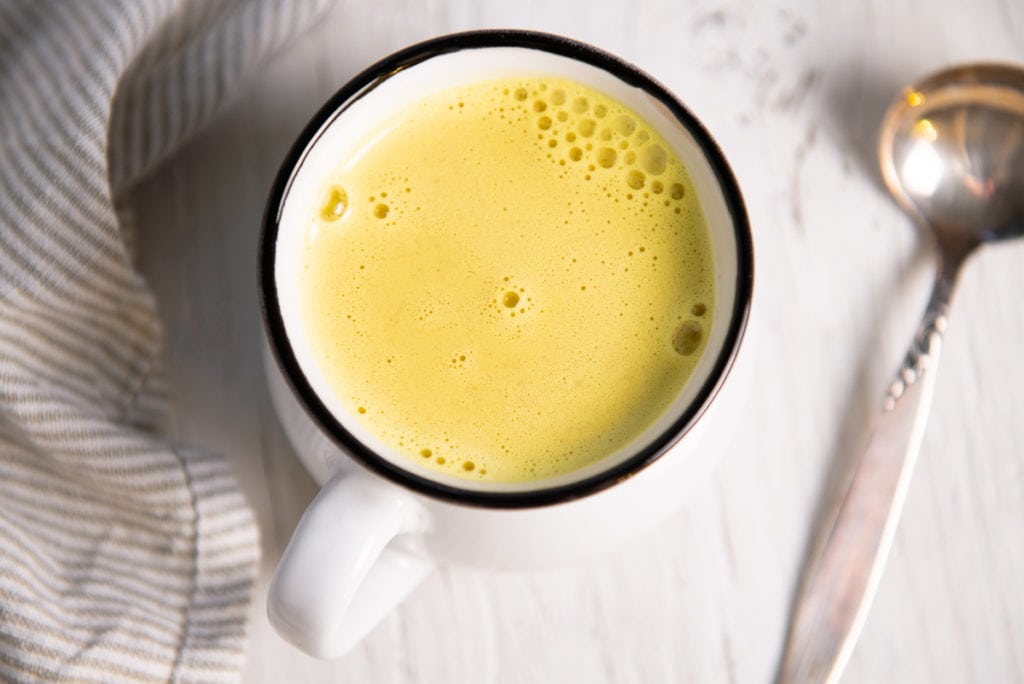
{"x": 379, "y": 525}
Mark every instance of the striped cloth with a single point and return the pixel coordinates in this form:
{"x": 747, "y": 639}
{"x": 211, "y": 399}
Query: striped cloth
{"x": 123, "y": 556}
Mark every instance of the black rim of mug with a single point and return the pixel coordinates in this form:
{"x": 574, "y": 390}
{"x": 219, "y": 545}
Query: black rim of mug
{"x": 558, "y": 45}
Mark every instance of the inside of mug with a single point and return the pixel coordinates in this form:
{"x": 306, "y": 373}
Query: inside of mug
{"x": 360, "y": 118}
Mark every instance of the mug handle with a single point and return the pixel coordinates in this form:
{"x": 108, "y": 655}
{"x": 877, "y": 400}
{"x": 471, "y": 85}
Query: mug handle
{"x": 341, "y": 573}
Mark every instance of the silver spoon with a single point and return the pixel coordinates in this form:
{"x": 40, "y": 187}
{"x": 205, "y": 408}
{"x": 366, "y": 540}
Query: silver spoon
{"x": 952, "y": 155}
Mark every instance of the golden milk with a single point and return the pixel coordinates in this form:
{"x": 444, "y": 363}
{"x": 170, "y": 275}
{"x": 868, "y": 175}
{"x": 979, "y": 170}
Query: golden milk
{"x": 510, "y": 280}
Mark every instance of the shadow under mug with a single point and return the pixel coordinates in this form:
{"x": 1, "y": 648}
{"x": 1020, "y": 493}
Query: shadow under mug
{"x": 379, "y": 524}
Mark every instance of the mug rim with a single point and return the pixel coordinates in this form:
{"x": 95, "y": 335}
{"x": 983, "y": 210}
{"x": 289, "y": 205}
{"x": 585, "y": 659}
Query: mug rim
{"x": 365, "y": 82}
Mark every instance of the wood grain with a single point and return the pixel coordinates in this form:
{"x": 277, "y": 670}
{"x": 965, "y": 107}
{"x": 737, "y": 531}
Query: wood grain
{"x": 793, "y": 91}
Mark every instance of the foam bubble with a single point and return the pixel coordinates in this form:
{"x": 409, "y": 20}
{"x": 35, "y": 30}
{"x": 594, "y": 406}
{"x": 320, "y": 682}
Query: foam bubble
{"x": 606, "y": 157}
{"x": 544, "y": 123}
{"x": 624, "y": 125}
{"x": 635, "y": 179}
{"x": 688, "y": 337}
{"x": 580, "y": 105}
{"x": 586, "y": 127}
{"x": 334, "y": 204}
{"x": 558, "y": 96}
{"x": 653, "y": 159}
{"x": 677, "y": 191}
{"x": 381, "y": 211}
{"x": 510, "y": 299}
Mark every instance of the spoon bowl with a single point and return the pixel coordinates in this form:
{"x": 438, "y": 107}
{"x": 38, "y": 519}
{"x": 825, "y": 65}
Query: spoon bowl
{"x": 952, "y": 153}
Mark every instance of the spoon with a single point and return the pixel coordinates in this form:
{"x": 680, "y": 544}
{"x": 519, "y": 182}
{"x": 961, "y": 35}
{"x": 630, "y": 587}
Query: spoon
{"x": 952, "y": 155}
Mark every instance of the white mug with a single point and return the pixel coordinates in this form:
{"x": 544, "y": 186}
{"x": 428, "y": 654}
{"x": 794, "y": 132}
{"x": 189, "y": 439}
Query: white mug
{"x": 380, "y": 523}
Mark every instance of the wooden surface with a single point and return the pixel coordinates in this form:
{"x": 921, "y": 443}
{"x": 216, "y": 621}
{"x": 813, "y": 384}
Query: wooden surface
{"x": 793, "y": 91}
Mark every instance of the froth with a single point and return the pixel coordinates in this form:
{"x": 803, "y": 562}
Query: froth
{"x": 512, "y": 282}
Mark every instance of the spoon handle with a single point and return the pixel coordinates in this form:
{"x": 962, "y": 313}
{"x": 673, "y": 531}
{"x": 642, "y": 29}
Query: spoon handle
{"x": 838, "y": 588}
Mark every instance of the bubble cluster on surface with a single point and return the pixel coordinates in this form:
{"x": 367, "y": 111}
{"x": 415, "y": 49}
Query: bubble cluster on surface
{"x": 605, "y": 231}
{"x": 511, "y": 298}
{"x": 338, "y": 206}
{"x": 604, "y": 141}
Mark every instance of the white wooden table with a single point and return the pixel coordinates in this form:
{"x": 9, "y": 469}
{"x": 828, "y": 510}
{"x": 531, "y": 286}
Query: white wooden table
{"x": 793, "y": 91}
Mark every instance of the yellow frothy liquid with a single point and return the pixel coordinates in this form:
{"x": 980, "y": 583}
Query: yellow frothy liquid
{"x": 510, "y": 280}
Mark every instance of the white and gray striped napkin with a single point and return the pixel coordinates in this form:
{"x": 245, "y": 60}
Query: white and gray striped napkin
{"x": 123, "y": 556}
